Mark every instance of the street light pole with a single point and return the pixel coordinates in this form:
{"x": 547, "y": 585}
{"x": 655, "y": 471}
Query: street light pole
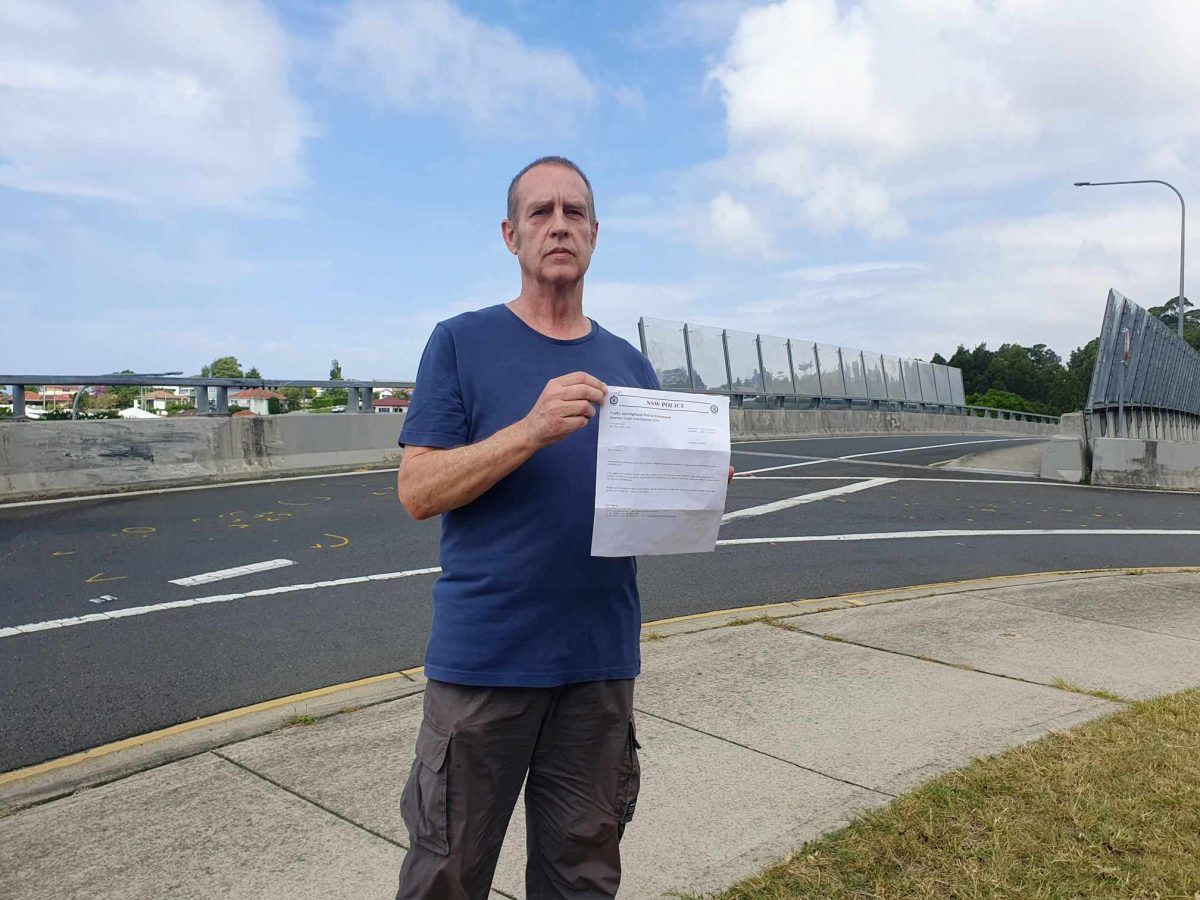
{"x": 1179, "y": 311}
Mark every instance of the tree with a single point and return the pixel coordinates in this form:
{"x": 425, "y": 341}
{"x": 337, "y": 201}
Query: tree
{"x": 1169, "y": 314}
{"x": 225, "y": 367}
{"x": 998, "y": 399}
{"x": 973, "y": 364}
{"x": 335, "y": 370}
{"x": 253, "y": 372}
{"x": 122, "y": 396}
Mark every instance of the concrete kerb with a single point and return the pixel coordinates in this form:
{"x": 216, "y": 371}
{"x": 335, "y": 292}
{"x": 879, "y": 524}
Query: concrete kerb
{"x": 57, "y": 778}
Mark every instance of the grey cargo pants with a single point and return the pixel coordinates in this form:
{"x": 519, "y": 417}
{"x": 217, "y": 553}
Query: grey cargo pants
{"x": 576, "y": 750}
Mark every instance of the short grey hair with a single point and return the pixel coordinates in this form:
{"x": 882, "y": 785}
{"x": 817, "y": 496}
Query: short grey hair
{"x": 549, "y": 161}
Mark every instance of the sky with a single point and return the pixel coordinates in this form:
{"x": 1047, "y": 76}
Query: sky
{"x": 292, "y": 182}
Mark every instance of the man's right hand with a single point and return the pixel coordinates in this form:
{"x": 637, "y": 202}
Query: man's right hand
{"x": 565, "y": 406}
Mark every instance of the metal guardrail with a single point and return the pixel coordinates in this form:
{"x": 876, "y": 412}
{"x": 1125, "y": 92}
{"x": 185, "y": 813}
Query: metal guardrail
{"x": 778, "y": 372}
{"x": 359, "y": 394}
{"x": 1144, "y": 374}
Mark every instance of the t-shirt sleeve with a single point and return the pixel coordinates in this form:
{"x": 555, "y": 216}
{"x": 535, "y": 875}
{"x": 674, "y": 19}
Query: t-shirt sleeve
{"x": 437, "y": 416}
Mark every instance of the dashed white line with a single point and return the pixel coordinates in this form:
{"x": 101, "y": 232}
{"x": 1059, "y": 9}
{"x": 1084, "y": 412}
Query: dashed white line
{"x": 14, "y": 630}
{"x": 222, "y": 574}
{"x": 962, "y": 533}
{"x": 789, "y": 502}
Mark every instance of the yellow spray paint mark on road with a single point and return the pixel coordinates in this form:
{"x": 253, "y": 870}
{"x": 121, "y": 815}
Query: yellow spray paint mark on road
{"x": 381, "y": 493}
{"x": 238, "y": 525}
{"x": 139, "y": 529}
{"x": 101, "y": 577}
{"x": 344, "y": 541}
{"x": 322, "y": 498}
{"x": 273, "y": 516}
{"x": 63, "y": 553}
{"x": 291, "y": 503}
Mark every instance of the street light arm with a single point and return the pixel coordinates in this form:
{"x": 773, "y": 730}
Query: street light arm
{"x": 1183, "y": 304}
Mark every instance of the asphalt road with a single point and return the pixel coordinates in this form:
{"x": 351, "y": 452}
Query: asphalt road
{"x": 65, "y": 689}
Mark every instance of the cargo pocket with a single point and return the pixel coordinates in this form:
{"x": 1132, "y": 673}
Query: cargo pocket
{"x": 631, "y": 776}
{"x": 424, "y": 801}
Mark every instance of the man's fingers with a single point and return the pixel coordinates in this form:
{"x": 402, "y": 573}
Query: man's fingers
{"x": 582, "y": 392}
{"x": 578, "y": 408}
{"x": 583, "y": 378}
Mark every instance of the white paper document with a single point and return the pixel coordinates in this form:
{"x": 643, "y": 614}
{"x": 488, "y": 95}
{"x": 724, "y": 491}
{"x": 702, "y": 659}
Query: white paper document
{"x": 661, "y": 472}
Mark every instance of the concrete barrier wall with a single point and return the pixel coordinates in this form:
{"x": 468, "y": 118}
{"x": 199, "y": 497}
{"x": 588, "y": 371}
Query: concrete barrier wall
{"x": 1130, "y": 462}
{"x": 54, "y": 459}
{"x": 758, "y": 424}
{"x": 51, "y": 459}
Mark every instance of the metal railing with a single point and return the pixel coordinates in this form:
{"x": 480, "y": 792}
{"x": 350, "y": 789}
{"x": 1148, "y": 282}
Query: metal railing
{"x": 359, "y": 394}
{"x": 1146, "y": 380}
{"x": 758, "y": 369}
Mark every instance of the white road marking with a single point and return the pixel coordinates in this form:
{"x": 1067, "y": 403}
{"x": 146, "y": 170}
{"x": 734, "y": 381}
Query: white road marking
{"x": 222, "y": 574}
{"x": 192, "y": 487}
{"x": 877, "y": 434}
{"x": 788, "y": 503}
{"x": 963, "y": 533}
{"x": 850, "y": 456}
{"x": 746, "y": 476}
{"x": 14, "y": 630}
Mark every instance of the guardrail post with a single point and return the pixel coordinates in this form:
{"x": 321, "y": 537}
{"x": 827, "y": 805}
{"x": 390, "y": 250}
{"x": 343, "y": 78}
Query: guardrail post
{"x": 18, "y": 400}
{"x": 222, "y": 400}
{"x": 201, "y": 401}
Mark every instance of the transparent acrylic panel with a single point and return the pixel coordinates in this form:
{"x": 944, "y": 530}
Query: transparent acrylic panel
{"x": 912, "y": 379}
{"x": 777, "y": 369}
{"x": 743, "y": 361}
{"x": 942, "y": 376}
{"x": 804, "y": 364}
{"x": 928, "y": 387}
{"x": 856, "y": 377}
{"x": 708, "y": 358}
{"x": 957, "y": 396}
{"x": 833, "y": 383}
{"x": 663, "y": 345}
{"x": 876, "y": 386}
{"x": 894, "y": 378}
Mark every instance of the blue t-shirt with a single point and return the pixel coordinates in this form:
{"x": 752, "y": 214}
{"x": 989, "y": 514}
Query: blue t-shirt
{"x": 521, "y": 601}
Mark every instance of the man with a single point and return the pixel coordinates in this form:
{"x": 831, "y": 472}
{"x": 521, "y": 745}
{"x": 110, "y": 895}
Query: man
{"x": 534, "y": 643}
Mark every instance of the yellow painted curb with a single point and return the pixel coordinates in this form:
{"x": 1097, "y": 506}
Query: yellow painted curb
{"x": 183, "y": 727}
{"x": 853, "y": 600}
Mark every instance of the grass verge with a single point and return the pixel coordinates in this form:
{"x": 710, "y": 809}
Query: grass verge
{"x": 1110, "y": 809}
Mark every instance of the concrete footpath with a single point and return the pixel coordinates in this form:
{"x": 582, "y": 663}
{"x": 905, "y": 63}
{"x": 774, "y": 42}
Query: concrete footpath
{"x": 760, "y": 728}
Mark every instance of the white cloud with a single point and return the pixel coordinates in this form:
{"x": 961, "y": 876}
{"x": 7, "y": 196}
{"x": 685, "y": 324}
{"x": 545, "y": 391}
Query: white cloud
{"x": 692, "y": 22}
{"x": 732, "y": 228}
{"x": 148, "y": 103}
{"x": 427, "y": 56}
{"x": 1037, "y": 279}
{"x": 861, "y": 111}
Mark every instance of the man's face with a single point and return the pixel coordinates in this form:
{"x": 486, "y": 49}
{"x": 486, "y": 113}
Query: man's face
{"x": 553, "y": 235}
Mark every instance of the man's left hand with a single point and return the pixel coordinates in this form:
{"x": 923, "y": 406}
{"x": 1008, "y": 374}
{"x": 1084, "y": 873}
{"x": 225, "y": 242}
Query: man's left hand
{"x": 730, "y": 475}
